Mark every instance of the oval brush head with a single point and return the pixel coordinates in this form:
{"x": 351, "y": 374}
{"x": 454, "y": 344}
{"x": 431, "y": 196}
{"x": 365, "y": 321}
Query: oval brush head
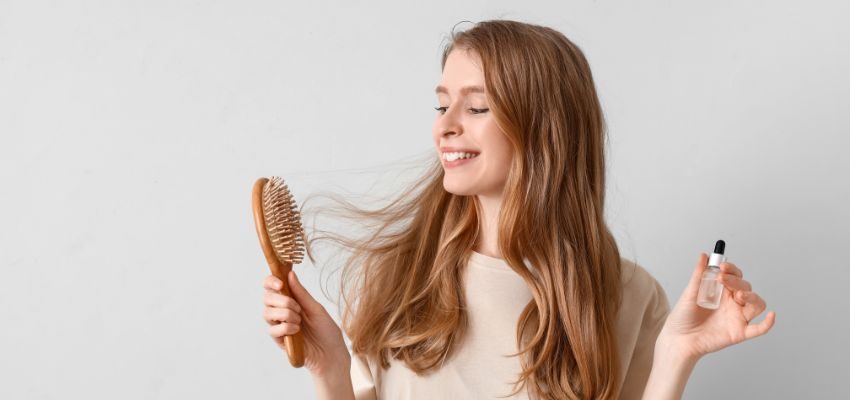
{"x": 283, "y": 221}
{"x": 281, "y": 235}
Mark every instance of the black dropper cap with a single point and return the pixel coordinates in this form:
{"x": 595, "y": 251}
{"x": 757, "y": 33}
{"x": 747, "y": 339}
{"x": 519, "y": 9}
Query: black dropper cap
{"x": 719, "y": 247}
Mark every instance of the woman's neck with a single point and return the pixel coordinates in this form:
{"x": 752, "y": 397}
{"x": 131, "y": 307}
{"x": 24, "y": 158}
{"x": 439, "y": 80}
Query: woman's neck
{"x": 488, "y": 238}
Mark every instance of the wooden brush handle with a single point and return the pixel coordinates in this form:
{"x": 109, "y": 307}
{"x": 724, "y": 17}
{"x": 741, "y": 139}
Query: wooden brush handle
{"x": 294, "y": 343}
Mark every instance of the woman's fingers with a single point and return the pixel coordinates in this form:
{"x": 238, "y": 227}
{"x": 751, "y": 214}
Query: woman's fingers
{"x": 737, "y": 287}
{"x": 281, "y": 311}
{"x": 740, "y": 297}
{"x": 754, "y": 304}
{"x": 272, "y": 282}
{"x": 283, "y": 329}
{"x": 276, "y": 299}
{"x": 274, "y": 315}
{"x": 733, "y": 282}
{"x": 731, "y": 268}
{"x": 755, "y": 330}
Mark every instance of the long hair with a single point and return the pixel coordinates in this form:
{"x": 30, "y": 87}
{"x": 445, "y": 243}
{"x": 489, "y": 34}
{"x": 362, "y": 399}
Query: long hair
{"x": 402, "y": 284}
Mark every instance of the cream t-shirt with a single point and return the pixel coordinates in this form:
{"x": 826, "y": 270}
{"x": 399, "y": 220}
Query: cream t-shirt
{"x": 480, "y": 369}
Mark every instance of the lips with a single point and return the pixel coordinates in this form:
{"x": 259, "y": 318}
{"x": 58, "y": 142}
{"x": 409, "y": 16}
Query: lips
{"x": 458, "y": 150}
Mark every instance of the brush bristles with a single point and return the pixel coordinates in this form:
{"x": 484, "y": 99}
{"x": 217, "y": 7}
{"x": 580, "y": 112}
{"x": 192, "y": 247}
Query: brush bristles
{"x": 283, "y": 221}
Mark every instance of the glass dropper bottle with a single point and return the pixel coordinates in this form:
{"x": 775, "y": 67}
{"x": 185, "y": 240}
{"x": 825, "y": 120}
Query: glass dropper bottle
{"x": 711, "y": 289}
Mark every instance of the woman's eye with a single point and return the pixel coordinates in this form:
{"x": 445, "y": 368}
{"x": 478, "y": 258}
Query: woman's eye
{"x": 442, "y": 110}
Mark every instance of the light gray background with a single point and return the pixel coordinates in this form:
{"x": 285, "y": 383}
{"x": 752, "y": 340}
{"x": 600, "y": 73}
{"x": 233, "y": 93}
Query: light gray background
{"x": 132, "y": 133}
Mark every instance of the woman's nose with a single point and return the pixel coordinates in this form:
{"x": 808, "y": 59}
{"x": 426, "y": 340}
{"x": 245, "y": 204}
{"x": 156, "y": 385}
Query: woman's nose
{"x": 449, "y": 124}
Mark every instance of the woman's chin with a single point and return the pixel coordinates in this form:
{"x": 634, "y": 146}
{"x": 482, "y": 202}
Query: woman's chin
{"x": 458, "y": 189}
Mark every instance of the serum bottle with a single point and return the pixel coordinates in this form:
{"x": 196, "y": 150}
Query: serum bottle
{"x": 710, "y": 289}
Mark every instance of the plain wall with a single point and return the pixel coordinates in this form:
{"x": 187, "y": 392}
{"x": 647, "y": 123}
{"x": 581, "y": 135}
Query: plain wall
{"x": 131, "y": 134}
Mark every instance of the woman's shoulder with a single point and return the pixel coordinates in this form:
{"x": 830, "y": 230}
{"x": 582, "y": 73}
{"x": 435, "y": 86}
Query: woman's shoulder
{"x": 638, "y": 282}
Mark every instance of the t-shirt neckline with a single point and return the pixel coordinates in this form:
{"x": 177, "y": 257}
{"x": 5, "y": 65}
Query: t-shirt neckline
{"x": 493, "y": 262}
{"x": 487, "y": 261}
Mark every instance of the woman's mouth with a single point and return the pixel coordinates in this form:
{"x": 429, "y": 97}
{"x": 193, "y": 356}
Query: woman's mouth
{"x": 454, "y": 159}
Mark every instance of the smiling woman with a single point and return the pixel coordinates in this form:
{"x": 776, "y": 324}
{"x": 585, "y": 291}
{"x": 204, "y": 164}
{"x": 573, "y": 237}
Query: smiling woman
{"x": 529, "y": 111}
{"x": 496, "y": 274}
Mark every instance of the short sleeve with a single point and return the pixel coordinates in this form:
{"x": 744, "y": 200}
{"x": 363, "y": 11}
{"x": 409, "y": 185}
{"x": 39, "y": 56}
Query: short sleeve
{"x": 361, "y": 379}
{"x": 654, "y": 316}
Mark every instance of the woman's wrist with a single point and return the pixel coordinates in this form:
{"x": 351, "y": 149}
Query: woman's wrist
{"x": 335, "y": 381}
{"x": 670, "y": 347}
{"x": 671, "y": 369}
{"x": 339, "y": 365}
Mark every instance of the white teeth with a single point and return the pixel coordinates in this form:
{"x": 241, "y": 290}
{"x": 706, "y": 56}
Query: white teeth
{"x": 456, "y": 155}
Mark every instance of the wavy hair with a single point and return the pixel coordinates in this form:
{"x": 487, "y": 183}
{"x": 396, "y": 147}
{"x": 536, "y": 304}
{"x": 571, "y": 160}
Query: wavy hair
{"x": 402, "y": 284}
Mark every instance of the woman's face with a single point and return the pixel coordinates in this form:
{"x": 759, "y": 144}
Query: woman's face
{"x": 464, "y": 124}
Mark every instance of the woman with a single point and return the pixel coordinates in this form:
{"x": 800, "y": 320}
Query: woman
{"x": 502, "y": 277}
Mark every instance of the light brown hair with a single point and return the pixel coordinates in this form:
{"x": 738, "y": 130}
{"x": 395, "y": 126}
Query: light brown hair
{"x": 402, "y": 284}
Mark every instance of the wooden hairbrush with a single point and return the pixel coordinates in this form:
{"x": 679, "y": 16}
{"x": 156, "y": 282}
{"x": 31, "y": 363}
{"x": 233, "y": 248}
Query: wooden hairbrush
{"x": 281, "y": 234}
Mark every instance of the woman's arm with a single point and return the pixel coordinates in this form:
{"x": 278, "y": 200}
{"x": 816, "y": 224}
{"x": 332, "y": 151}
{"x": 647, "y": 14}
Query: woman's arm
{"x": 670, "y": 372}
{"x": 335, "y": 384}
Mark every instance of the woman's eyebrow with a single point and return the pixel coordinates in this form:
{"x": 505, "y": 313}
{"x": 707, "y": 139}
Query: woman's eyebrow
{"x": 463, "y": 90}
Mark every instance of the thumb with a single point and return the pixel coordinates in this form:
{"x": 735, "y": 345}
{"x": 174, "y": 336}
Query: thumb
{"x": 301, "y": 295}
{"x": 696, "y": 279}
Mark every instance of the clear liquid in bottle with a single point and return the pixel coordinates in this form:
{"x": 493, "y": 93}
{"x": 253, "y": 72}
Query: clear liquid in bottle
{"x": 710, "y": 289}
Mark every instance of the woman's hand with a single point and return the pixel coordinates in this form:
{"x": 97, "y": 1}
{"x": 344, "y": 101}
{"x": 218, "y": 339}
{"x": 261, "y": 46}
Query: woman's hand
{"x": 693, "y": 331}
{"x": 325, "y": 352}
